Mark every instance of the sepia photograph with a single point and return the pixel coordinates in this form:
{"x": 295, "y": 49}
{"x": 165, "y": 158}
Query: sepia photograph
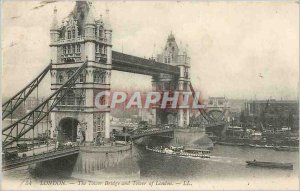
{"x": 149, "y": 95}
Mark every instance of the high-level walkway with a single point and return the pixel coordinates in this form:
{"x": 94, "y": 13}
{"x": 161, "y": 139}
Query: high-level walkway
{"x": 133, "y": 64}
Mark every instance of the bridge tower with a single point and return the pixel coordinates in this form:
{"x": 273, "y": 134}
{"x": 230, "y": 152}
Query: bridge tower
{"x": 81, "y": 38}
{"x": 177, "y": 56}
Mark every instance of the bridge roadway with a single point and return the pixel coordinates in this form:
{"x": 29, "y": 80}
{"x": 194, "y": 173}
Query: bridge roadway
{"x": 215, "y": 124}
{"x": 44, "y": 156}
{"x": 155, "y": 131}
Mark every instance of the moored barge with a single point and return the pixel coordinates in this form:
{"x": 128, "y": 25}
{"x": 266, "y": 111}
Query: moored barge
{"x": 270, "y": 164}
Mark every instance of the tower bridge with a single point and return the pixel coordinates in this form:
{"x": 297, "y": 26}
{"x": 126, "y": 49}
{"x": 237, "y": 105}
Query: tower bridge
{"x": 81, "y": 63}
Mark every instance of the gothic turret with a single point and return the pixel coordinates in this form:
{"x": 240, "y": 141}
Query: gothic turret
{"x": 108, "y": 29}
{"x": 170, "y": 52}
{"x": 54, "y": 25}
{"x": 54, "y": 36}
{"x": 89, "y": 34}
{"x": 100, "y": 20}
{"x": 90, "y": 20}
{"x": 54, "y": 33}
{"x": 107, "y": 20}
{"x": 90, "y": 24}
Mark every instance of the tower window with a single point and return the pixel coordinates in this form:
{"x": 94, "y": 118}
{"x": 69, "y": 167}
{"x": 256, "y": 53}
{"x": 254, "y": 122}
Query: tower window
{"x": 70, "y": 98}
{"x": 69, "y": 73}
{"x": 99, "y": 77}
{"x": 78, "y": 47}
{"x": 168, "y": 59}
{"x": 96, "y": 47}
{"x": 73, "y": 33}
{"x": 101, "y": 33}
{"x": 60, "y": 79}
{"x": 100, "y": 49}
{"x": 65, "y": 49}
{"x": 102, "y": 79}
{"x": 81, "y": 78}
{"x": 69, "y": 34}
{"x": 69, "y": 49}
{"x": 73, "y": 48}
{"x": 96, "y": 77}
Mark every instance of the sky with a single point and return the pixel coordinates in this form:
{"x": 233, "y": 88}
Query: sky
{"x": 241, "y": 50}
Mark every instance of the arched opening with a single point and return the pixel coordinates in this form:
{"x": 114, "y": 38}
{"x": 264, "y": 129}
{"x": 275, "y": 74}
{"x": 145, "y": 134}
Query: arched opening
{"x": 68, "y": 129}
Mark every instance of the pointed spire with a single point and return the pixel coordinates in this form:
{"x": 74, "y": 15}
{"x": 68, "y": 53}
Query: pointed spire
{"x": 90, "y": 17}
{"x": 171, "y": 37}
{"x": 181, "y": 52}
{"x": 107, "y": 21}
{"x": 101, "y": 19}
{"x": 186, "y": 48}
{"x": 54, "y": 25}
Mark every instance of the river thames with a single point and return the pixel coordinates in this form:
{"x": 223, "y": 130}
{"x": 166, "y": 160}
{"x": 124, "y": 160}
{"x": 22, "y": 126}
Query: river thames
{"x": 226, "y": 162}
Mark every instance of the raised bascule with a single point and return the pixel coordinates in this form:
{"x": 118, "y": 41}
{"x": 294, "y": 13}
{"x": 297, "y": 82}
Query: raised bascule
{"x": 82, "y": 60}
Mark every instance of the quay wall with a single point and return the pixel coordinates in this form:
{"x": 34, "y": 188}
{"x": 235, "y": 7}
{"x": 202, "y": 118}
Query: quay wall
{"x": 103, "y": 163}
{"x": 93, "y": 163}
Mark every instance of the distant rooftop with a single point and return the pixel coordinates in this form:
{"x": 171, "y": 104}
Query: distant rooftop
{"x": 273, "y": 101}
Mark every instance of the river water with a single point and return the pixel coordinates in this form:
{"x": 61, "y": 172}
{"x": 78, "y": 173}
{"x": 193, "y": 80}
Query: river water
{"x": 225, "y": 162}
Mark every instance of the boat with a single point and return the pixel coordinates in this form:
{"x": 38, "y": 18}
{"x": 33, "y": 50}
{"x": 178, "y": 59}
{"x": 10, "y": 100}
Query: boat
{"x": 270, "y": 164}
{"x": 286, "y": 148}
{"x": 156, "y": 149}
{"x": 261, "y": 146}
{"x": 180, "y": 151}
{"x": 195, "y": 153}
{"x": 229, "y": 143}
